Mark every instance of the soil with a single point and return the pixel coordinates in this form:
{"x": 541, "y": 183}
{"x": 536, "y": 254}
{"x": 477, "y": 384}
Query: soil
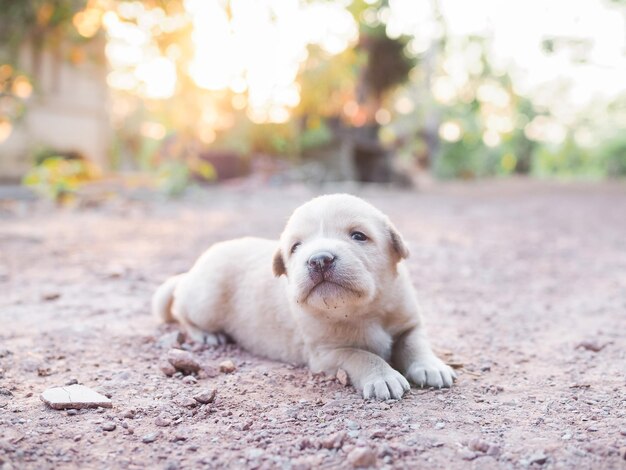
{"x": 523, "y": 286}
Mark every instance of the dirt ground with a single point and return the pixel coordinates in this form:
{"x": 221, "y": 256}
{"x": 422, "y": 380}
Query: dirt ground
{"x": 523, "y": 286}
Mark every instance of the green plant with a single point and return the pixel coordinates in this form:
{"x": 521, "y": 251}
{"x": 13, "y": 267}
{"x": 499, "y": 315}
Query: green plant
{"x": 57, "y": 177}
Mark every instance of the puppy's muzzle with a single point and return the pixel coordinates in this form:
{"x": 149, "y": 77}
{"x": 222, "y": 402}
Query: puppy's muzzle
{"x": 321, "y": 262}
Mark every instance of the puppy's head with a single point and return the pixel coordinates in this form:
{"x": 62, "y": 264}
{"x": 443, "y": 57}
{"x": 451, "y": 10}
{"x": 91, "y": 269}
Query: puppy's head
{"x": 337, "y": 252}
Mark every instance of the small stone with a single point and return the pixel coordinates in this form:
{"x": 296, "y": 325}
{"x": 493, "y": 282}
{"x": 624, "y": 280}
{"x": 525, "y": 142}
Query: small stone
{"x": 109, "y": 427}
{"x": 208, "y": 371}
{"x": 334, "y": 441}
{"x": 74, "y": 396}
{"x": 72, "y": 412}
{"x": 467, "y": 454}
{"x": 622, "y": 431}
{"x": 538, "y": 459}
{"x": 362, "y": 457}
{"x": 190, "y": 380}
{"x": 168, "y": 369}
{"x": 440, "y": 425}
{"x": 72, "y": 381}
{"x": 246, "y": 426}
{"x": 148, "y": 438}
{"x": 187, "y": 402}
{"x": 206, "y": 397}
{"x": 342, "y": 377}
{"x": 227, "y": 366}
{"x": 590, "y": 345}
{"x": 352, "y": 425}
{"x": 162, "y": 421}
{"x": 183, "y": 361}
{"x": 378, "y": 434}
{"x": 44, "y": 371}
{"x": 180, "y": 435}
{"x": 48, "y": 296}
{"x": 115, "y": 271}
{"x": 479, "y": 445}
{"x": 129, "y": 414}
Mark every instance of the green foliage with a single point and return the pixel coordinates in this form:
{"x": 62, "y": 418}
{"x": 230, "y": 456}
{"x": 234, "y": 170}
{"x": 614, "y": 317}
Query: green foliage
{"x": 173, "y": 177}
{"x": 58, "y": 178}
{"x": 613, "y": 154}
{"x": 33, "y": 20}
{"x": 316, "y": 133}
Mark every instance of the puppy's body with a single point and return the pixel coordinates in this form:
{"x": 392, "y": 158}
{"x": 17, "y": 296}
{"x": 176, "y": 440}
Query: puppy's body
{"x": 332, "y": 301}
{"x": 231, "y": 290}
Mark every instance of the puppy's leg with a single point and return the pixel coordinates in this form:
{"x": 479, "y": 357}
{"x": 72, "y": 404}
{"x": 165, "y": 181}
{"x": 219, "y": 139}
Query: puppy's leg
{"x": 413, "y": 356}
{"x": 369, "y": 373}
{"x": 196, "y": 334}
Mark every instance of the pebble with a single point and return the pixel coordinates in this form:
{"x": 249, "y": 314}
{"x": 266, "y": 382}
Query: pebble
{"x": 148, "y": 438}
{"x": 466, "y": 454}
{"x": 334, "y": 441}
{"x": 206, "y": 397}
{"x": 352, "y": 425}
{"x": 183, "y": 361}
{"x": 109, "y": 426}
{"x": 187, "y": 402}
{"x": 168, "y": 369}
{"x": 538, "y": 459}
{"x": 362, "y": 457}
{"x": 342, "y": 377}
{"x": 484, "y": 447}
{"x": 48, "y": 296}
{"x": 190, "y": 380}
{"x": 74, "y": 396}
{"x": 590, "y": 345}
{"x": 162, "y": 422}
{"x": 440, "y": 425}
{"x": 227, "y": 366}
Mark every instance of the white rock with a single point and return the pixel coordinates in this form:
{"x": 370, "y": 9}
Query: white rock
{"x": 74, "y": 396}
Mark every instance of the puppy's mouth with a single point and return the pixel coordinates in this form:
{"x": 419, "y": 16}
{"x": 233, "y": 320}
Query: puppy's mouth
{"x": 330, "y": 288}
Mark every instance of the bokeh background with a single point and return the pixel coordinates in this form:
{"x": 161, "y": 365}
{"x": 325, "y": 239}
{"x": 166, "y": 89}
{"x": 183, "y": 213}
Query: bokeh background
{"x": 169, "y": 94}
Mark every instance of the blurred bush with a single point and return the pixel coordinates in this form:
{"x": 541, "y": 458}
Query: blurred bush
{"x": 58, "y": 177}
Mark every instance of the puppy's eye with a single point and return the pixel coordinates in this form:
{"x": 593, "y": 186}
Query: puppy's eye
{"x": 358, "y": 236}
{"x": 295, "y": 246}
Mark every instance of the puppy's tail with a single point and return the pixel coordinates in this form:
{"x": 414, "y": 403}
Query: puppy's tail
{"x": 162, "y": 300}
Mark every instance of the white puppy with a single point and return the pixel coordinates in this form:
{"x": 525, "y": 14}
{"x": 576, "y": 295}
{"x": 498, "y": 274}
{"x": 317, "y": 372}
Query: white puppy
{"x": 340, "y": 297}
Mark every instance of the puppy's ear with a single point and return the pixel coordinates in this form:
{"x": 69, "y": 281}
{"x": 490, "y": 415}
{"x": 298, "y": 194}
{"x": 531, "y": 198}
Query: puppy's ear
{"x": 279, "y": 264}
{"x": 398, "y": 247}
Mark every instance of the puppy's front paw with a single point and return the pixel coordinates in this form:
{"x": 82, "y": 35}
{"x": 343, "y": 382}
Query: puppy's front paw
{"x": 391, "y": 384}
{"x": 431, "y": 372}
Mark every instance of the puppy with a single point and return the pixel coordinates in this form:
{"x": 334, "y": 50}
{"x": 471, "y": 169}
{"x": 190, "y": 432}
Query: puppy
{"x": 339, "y": 297}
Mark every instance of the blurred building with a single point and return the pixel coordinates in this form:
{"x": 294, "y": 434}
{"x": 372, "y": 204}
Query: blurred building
{"x": 67, "y": 112}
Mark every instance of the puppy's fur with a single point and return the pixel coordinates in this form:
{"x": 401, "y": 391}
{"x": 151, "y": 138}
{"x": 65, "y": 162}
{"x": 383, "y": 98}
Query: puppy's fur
{"x": 339, "y": 297}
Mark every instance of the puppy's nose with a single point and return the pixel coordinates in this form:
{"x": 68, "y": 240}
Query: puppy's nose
{"x": 321, "y": 261}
